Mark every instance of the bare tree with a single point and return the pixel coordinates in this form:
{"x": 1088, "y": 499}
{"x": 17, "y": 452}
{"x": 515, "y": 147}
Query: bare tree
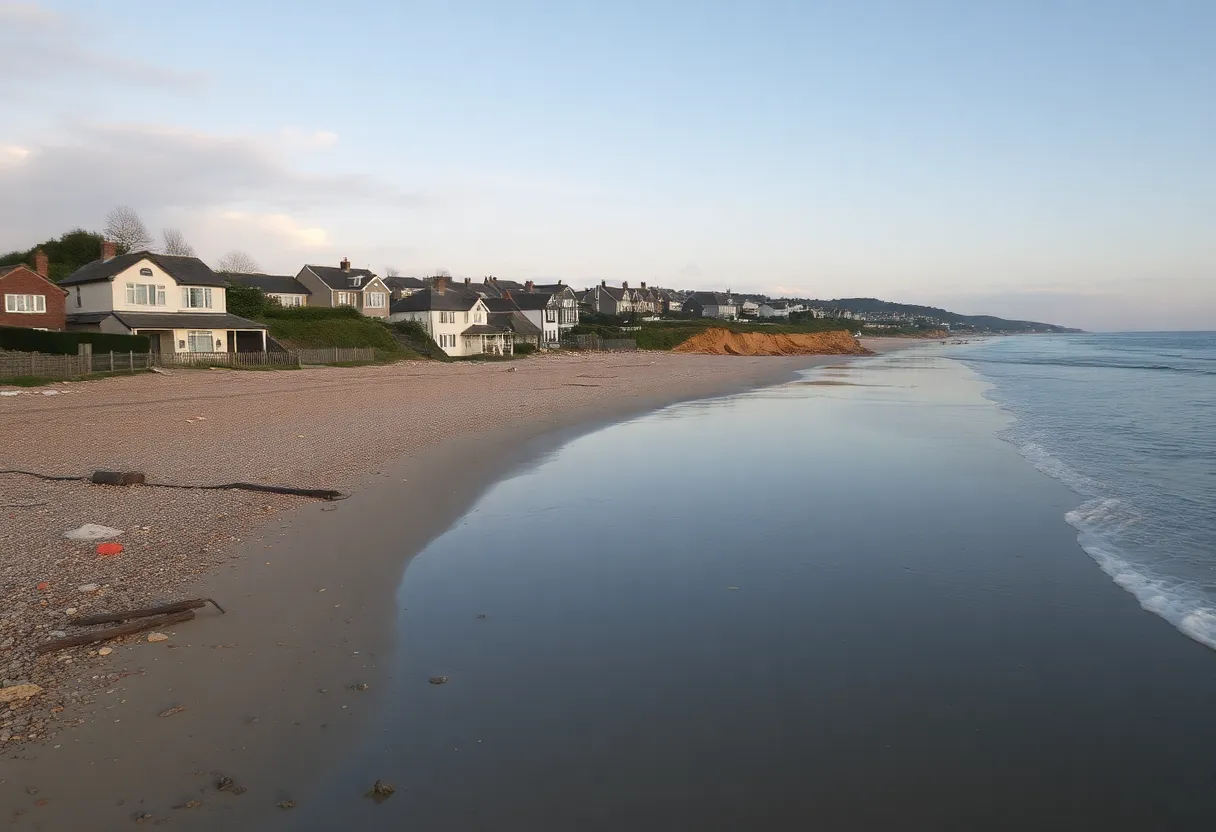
{"x": 392, "y": 271}
{"x": 441, "y": 273}
{"x": 124, "y": 226}
{"x": 175, "y": 243}
{"x": 237, "y": 261}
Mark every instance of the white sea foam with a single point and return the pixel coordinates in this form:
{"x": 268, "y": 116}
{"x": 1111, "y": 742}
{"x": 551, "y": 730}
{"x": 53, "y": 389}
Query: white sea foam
{"x": 1058, "y": 469}
{"x": 1096, "y": 521}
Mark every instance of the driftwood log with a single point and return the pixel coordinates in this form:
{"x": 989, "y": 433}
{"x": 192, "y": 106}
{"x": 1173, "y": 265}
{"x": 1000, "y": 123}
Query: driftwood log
{"x": 117, "y": 478}
{"x": 108, "y": 633}
{"x": 126, "y": 615}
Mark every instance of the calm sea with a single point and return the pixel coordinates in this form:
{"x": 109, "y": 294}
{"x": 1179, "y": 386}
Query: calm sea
{"x": 1128, "y": 422}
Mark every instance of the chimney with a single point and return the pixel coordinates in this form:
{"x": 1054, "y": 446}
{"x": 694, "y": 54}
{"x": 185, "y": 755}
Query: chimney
{"x": 643, "y": 284}
{"x": 109, "y": 250}
{"x": 467, "y": 280}
{"x": 604, "y": 283}
{"x": 529, "y": 286}
{"x": 441, "y": 284}
{"x": 345, "y": 264}
{"x": 40, "y": 263}
{"x": 624, "y": 284}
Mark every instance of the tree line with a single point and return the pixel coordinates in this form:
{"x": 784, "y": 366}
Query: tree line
{"x": 126, "y": 229}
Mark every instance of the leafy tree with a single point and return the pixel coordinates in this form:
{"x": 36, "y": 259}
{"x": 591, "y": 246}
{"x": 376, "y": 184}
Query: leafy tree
{"x": 65, "y": 255}
{"x": 124, "y": 226}
{"x": 247, "y": 301}
{"x": 238, "y": 262}
{"x": 175, "y": 243}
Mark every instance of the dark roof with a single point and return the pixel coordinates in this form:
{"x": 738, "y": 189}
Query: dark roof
{"x": 188, "y": 270}
{"x": 500, "y": 304}
{"x": 170, "y": 320}
{"x": 335, "y": 278}
{"x": 495, "y": 288}
{"x": 483, "y": 329}
{"x": 515, "y": 321}
{"x": 711, "y": 299}
{"x": 428, "y": 299}
{"x": 551, "y": 288}
{"x": 405, "y": 282}
{"x": 280, "y": 284}
{"x": 531, "y": 300}
{"x": 617, "y": 292}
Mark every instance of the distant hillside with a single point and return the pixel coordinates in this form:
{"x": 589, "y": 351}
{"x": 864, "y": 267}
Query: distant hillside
{"x": 981, "y": 323}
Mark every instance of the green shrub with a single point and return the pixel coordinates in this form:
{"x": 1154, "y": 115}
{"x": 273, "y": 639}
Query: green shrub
{"x": 65, "y": 343}
{"x": 525, "y": 348}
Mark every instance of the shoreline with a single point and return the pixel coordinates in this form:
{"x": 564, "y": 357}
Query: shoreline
{"x": 298, "y": 624}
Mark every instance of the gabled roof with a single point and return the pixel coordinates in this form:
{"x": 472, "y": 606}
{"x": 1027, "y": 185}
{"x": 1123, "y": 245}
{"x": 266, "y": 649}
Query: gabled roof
{"x": 483, "y": 329}
{"x": 494, "y": 288}
{"x": 531, "y": 300}
{"x": 515, "y": 321}
{"x": 342, "y": 280}
{"x": 187, "y": 270}
{"x": 5, "y": 271}
{"x": 279, "y": 284}
{"x": 616, "y": 292}
{"x": 430, "y": 300}
{"x": 500, "y": 304}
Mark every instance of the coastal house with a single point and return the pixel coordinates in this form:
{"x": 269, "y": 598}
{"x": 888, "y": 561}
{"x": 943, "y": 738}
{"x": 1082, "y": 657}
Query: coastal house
{"x": 748, "y": 308}
{"x": 31, "y": 299}
{"x": 560, "y": 307}
{"x": 711, "y": 305}
{"x": 774, "y": 309}
{"x": 343, "y": 286}
{"x": 541, "y": 308}
{"x": 177, "y": 301}
{"x": 610, "y": 300}
{"x": 457, "y": 321}
{"x": 505, "y": 314}
{"x": 566, "y": 300}
{"x": 283, "y": 289}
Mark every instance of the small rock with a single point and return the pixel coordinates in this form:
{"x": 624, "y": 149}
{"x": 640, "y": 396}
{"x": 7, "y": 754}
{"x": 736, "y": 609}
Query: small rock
{"x": 192, "y": 804}
{"x": 483, "y": 615}
{"x": 91, "y": 531}
{"x": 58, "y": 633}
{"x": 88, "y": 588}
{"x": 360, "y": 686}
{"x": 176, "y": 709}
{"x": 286, "y": 804}
{"x": 105, "y": 651}
{"x": 31, "y": 790}
{"x": 144, "y": 817}
{"x": 438, "y": 680}
{"x": 381, "y": 791}
{"x": 70, "y": 611}
{"x": 225, "y": 784}
{"x": 154, "y": 637}
{"x": 18, "y": 693}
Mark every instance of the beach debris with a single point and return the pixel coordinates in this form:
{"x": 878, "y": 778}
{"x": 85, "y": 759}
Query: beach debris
{"x": 159, "y": 371}
{"x": 109, "y": 550}
{"x": 144, "y": 817}
{"x": 91, "y": 531}
{"x": 227, "y": 784}
{"x": 19, "y": 693}
{"x": 43, "y": 586}
{"x": 70, "y": 611}
{"x": 155, "y": 637}
{"x": 733, "y": 588}
{"x": 438, "y": 680}
{"x": 10, "y": 392}
{"x": 481, "y": 615}
{"x": 191, "y": 804}
{"x": 286, "y": 804}
{"x": 50, "y": 392}
{"x": 161, "y": 609}
{"x": 360, "y": 686}
{"x": 108, "y": 633}
{"x": 105, "y": 651}
{"x": 88, "y": 587}
{"x": 381, "y": 791}
{"x": 176, "y": 709}
{"x": 117, "y": 478}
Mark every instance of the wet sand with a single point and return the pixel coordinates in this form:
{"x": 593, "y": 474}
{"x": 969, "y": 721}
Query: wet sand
{"x": 269, "y": 692}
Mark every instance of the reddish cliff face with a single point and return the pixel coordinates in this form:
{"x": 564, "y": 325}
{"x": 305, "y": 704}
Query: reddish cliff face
{"x": 725, "y": 342}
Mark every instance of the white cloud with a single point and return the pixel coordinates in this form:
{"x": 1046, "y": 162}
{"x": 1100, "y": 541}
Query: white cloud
{"x": 11, "y": 154}
{"x": 315, "y": 139}
{"x": 279, "y": 225}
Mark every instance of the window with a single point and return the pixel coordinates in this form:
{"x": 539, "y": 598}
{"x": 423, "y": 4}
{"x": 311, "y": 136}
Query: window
{"x": 196, "y": 297}
{"x": 477, "y": 317}
{"x": 466, "y": 317}
{"x": 199, "y": 340}
{"x": 78, "y": 297}
{"x": 31, "y": 304}
{"x": 288, "y": 300}
{"x": 346, "y": 299}
{"x": 145, "y": 294}
{"x": 145, "y": 272}
{"x": 447, "y": 317}
{"x": 373, "y": 300}
{"x": 550, "y": 315}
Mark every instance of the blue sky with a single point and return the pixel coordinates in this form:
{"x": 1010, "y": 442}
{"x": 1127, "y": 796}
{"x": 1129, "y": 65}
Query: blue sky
{"x": 1052, "y": 160}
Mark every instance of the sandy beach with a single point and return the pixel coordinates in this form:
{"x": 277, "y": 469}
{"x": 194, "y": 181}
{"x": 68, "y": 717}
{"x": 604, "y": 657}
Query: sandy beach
{"x": 270, "y": 692}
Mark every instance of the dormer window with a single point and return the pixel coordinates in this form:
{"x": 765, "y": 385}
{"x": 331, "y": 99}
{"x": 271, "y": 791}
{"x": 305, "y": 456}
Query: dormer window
{"x": 355, "y": 281}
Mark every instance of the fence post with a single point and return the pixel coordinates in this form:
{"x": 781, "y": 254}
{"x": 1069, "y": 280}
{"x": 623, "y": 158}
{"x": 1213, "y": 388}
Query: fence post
{"x": 131, "y": 361}
{"x": 111, "y": 361}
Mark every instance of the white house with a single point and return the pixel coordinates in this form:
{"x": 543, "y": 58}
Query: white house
{"x": 543, "y": 310}
{"x": 774, "y": 309}
{"x": 458, "y": 322}
{"x": 177, "y": 301}
{"x": 284, "y": 289}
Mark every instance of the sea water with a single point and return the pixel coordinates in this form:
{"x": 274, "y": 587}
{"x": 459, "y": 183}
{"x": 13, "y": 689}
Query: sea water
{"x": 1128, "y": 422}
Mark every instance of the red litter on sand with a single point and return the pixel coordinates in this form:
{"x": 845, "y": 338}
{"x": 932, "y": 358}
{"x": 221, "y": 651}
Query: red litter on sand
{"x": 109, "y": 550}
{"x": 43, "y": 585}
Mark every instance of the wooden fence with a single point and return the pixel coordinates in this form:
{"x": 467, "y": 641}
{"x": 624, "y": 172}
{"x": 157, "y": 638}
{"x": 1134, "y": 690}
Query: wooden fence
{"x": 45, "y": 365}
{"x": 335, "y": 355}
{"x": 595, "y": 342}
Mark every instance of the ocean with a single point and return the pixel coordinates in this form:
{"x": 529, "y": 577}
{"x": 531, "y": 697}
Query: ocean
{"x": 838, "y": 603}
{"x": 1128, "y": 422}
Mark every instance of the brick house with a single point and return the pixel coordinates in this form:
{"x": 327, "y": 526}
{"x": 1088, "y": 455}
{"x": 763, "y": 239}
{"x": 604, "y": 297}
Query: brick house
{"x": 30, "y": 298}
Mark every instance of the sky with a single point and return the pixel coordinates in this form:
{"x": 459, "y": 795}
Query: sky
{"x": 1038, "y": 160}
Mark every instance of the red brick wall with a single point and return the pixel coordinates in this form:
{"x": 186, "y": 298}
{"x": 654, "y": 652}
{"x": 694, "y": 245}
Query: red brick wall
{"x": 24, "y": 281}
